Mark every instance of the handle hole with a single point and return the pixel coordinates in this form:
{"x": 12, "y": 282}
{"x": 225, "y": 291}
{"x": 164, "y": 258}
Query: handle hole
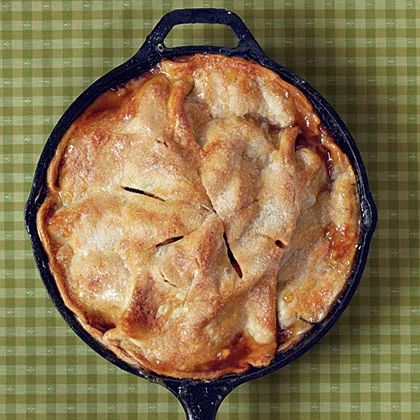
{"x": 201, "y": 34}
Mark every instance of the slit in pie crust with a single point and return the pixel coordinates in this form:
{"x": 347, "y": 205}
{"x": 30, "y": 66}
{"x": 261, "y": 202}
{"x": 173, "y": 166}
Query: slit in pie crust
{"x": 200, "y": 218}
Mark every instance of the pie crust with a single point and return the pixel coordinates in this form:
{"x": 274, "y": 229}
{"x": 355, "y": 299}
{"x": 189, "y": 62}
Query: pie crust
{"x": 200, "y": 218}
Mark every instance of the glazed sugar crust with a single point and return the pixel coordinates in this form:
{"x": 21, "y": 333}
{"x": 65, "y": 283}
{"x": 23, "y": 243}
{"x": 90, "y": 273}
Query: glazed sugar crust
{"x": 200, "y": 218}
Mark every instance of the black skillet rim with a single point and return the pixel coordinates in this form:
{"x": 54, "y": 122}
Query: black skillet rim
{"x": 152, "y": 52}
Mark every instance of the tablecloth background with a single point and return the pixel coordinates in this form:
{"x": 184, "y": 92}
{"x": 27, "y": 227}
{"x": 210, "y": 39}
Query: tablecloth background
{"x": 363, "y": 57}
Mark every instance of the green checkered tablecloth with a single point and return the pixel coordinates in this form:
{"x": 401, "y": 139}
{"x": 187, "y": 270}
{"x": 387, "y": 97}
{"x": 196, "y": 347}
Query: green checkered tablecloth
{"x": 363, "y": 57}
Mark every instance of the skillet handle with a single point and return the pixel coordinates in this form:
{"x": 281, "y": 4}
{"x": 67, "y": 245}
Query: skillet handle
{"x": 155, "y": 41}
{"x": 201, "y": 400}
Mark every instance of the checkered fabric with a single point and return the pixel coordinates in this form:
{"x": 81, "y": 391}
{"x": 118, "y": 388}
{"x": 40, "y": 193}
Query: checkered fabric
{"x": 363, "y": 57}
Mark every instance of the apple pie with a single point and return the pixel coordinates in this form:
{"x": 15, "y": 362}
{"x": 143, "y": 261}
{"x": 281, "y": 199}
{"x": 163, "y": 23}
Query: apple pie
{"x": 200, "y": 218}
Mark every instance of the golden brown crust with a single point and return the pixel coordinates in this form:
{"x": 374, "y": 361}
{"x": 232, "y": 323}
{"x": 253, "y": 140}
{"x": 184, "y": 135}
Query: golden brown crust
{"x": 200, "y": 218}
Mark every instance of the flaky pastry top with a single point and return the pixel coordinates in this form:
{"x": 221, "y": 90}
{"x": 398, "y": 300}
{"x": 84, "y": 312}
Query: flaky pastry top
{"x": 200, "y": 218}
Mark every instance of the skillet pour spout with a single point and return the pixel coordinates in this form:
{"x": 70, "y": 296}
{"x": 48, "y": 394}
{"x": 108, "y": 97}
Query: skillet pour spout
{"x": 201, "y": 399}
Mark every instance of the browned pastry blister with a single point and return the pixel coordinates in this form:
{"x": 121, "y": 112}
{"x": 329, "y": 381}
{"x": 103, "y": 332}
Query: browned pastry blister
{"x": 200, "y": 218}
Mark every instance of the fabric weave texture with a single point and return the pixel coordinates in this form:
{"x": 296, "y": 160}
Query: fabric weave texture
{"x": 363, "y": 57}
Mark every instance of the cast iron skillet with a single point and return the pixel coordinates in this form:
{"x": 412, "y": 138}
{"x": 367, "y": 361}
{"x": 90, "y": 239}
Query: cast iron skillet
{"x": 201, "y": 399}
